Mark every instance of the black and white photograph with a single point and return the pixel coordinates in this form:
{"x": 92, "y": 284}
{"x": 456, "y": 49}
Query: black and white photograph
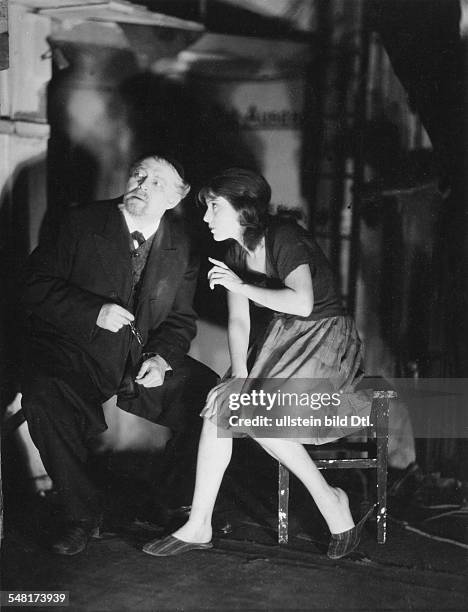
{"x": 234, "y": 305}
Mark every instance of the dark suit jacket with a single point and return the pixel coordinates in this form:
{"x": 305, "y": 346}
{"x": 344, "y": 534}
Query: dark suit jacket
{"x": 88, "y": 264}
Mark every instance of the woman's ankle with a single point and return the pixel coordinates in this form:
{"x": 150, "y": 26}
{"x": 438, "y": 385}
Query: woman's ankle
{"x": 341, "y": 496}
{"x": 339, "y": 516}
{"x": 194, "y": 532}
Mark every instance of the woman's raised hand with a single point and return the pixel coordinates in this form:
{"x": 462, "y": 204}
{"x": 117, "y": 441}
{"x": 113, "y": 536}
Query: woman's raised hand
{"x": 220, "y": 274}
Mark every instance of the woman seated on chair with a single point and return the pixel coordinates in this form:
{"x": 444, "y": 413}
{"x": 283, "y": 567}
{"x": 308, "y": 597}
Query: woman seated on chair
{"x": 274, "y": 263}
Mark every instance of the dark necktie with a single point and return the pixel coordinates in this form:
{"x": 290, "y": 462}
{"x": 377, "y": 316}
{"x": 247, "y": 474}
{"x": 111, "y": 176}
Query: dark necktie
{"x": 138, "y": 236}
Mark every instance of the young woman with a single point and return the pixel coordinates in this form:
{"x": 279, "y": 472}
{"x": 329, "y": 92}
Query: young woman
{"x": 276, "y": 264}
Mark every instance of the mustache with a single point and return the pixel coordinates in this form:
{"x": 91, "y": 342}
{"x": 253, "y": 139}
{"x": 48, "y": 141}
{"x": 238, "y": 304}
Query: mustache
{"x": 136, "y": 193}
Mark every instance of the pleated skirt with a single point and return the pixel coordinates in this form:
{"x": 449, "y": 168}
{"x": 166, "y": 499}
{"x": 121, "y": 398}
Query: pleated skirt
{"x": 309, "y": 357}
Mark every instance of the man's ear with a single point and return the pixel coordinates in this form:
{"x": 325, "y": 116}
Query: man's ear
{"x": 176, "y": 197}
{"x": 172, "y": 202}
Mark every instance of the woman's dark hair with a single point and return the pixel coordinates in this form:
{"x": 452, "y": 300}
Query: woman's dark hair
{"x": 248, "y": 193}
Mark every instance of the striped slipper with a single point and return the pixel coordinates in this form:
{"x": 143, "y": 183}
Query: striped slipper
{"x": 341, "y": 544}
{"x": 170, "y": 545}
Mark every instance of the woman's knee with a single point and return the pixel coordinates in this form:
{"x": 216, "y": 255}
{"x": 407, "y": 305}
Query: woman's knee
{"x": 212, "y": 438}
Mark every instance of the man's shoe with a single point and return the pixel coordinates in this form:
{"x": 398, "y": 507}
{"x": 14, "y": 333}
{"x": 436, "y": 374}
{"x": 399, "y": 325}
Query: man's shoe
{"x": 74, "y": 538}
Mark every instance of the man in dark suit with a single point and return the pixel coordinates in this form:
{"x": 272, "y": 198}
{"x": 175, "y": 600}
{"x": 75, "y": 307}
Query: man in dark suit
{"x": 109, "y": 300}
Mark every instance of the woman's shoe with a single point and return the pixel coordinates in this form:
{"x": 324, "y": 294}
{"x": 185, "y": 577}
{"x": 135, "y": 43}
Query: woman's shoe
{"x": 170, "y": 546}
{"x": 341, "y": 544}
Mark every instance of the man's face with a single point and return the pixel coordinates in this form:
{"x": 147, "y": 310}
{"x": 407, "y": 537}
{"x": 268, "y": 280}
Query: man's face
{"x": 151, "y": 190}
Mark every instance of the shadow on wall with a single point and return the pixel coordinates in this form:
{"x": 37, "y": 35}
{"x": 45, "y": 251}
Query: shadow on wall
{"x": 89, "y": 148}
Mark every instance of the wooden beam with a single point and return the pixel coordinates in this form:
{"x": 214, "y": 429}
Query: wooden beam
{"x": 4, "y": 55}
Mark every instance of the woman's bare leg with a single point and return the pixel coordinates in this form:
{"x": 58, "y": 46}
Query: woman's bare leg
{"x": 332, "y": 502}
{"x": 214, "y": 455}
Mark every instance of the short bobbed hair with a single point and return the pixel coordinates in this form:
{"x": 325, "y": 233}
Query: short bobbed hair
{"x": 249, "y": 194}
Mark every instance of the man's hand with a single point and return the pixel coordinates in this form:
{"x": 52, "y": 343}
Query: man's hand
{"x": 152, "y": 372}
{"x": 113, "y": 317}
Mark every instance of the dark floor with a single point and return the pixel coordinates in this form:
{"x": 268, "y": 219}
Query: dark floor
{"x": 247, "y": 570}
{"x": 408, "y": 573}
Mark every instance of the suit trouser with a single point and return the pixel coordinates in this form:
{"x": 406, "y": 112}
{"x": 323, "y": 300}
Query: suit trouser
{"x": 64, "y": 413}
{"x": 61, "y": 421}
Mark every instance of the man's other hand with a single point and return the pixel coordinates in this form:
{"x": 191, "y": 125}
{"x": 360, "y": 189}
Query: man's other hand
{"x": 152, "y": 372}
{"x": 113, "y": 317}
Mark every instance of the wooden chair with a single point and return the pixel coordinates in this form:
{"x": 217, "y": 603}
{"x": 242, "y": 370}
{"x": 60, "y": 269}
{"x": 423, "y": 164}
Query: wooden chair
{"x": 378, "y": 432}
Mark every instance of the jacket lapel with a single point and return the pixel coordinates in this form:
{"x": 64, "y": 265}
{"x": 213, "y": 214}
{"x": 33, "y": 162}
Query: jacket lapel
{"x": 161, "y": 259}
{"x": 112, "y": 245}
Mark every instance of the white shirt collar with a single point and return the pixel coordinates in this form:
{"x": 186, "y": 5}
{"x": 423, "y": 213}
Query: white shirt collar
{"x": 147, "y": 231}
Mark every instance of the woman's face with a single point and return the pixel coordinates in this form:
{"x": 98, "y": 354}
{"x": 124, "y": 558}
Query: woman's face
{"x": 222, "y": 219}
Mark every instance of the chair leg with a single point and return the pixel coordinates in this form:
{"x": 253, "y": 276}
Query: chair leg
{"x": 283, "y": 503}
{"x": 382, "y": 454}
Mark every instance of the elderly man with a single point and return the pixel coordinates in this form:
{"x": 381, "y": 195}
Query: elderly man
{"x": 109, "y": 301}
